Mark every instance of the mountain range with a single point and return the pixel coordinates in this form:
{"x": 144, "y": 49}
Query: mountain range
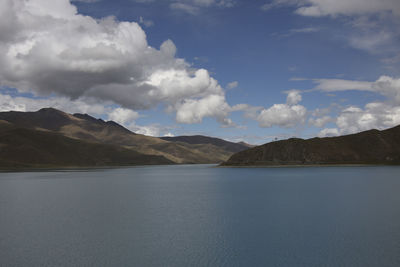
{"x": 369, "y": 147}
{"x": 52, "y": 138}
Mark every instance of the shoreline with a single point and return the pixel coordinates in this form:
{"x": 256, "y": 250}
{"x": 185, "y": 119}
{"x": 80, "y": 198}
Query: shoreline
{"x": 305, "y": 165}
{"x": 93, "y": 168}
{"x": 216, "y": 165}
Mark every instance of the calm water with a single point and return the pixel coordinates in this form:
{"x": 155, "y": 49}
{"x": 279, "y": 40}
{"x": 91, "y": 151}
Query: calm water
{"x": 201, "y": 216}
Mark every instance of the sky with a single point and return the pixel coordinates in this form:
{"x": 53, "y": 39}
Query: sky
{"x": 242, "y": 70}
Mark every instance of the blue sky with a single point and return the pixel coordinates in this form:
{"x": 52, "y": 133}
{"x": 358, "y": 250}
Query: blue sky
{"x": 240, "y": 70}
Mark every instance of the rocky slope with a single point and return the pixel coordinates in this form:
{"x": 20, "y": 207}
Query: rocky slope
{"x": 88, "y": 129}
{"x": 369, "y": 147}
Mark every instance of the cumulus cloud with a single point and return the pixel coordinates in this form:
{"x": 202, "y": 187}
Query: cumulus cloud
{"x": 328, "y": 132}
{"x": 193, "y": 111}
{"x": 282, "y": 115}
{"x": 320, "y": 122}
{"x": 293, "y": 97}
{"x": 127, "y": 118}
{"x": 250, "y": 111}
{"x": 46, "y": 47}
{"x": 150, "y": 130}
{"x": 375, "y": 115}
{"x": 123, "y": 116}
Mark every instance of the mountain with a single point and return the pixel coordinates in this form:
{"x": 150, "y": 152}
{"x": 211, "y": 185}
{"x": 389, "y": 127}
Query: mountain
{"x": 91, "y": 130}
{"x": 203, "y": 140}
{"x": 246, "y": 144}
{"x": 30, "y": 148}
{"x": 369, "y": 147}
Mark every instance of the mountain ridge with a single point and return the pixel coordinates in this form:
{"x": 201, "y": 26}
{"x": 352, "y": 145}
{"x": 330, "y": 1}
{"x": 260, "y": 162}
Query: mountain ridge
{"x": 201, "y": 139}
{"x": 368, "y": 147}
{"x": 30, "y": 148}
{"x": 86, "y": 128}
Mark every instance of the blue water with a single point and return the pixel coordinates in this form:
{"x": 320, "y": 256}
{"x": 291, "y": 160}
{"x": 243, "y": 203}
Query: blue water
{"x": 201, "y": 216}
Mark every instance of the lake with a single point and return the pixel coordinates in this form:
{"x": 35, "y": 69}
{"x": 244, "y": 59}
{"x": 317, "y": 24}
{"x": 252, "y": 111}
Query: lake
{"x": 199, "y": 215}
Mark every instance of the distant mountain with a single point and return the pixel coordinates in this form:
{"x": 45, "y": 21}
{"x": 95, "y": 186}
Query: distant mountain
{"x": 91, "y": 130}
{"x": 369, "y": 147}
{"x": 29, "y": 148}
{"x": 202, "y": 140}
{"x": 246, "y": 144}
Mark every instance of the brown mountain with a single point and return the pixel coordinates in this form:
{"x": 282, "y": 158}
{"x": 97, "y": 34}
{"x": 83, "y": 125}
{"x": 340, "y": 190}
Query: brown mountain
{"x": 88, "y": 129}
{"x": 30, "y": 148}
{"x": 369, "y": 147}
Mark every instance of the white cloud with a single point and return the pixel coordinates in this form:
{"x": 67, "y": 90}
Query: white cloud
{"x": 348, "y": 7}
{"x": 90, "y": 106}
{"x": 389, "y": 87}
{"x": 46, "y": 47}
{"x": 334, "y": 85}
{"x": 250, "y": 112}
{"x": 372, "y": 41}
{"x": 169, "y": 134}
{"x": 151, "y": 130}
{"x": 193, "y": 7}
{"x": 385, "y": 85}
{"x": 193, "y": 111}
{"x": 282, "y": 115}
{"x": 373, "y": 116}
{"x": 316, "y": 8}
{"x": 320, "y": 122}
{"x": 328, "y": 132}
{"x": 293, "y": 97}
{"x": 123, "y": 116}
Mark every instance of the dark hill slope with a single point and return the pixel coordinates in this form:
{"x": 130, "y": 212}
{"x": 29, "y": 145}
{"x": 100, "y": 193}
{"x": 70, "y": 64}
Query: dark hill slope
{"x": 21, "y": 147}
{"x": 369, "y": 147}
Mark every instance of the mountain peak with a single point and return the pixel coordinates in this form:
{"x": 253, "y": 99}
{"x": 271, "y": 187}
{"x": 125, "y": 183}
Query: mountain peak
{"x": 50, "y": 110}
{"x": 87, "y": 117}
